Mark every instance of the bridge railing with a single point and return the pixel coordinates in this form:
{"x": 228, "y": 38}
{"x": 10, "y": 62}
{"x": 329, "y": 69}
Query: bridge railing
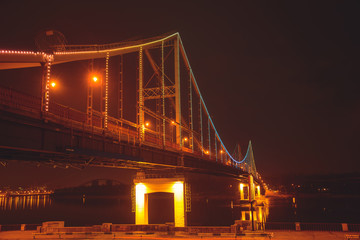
{"x": 321, "y": 227}
{"x": 354, "y": 227}
{"x": 121, "y": 129}
{"x": 19, "y": 100}
{"x": 116, "y": 128}
{"x": 124, "y": 129}
{"x": 171, "y": 144}
{"x": 300, "y": 226}
{"x": 67, "y": 112}
{"x": 280, "y": 226}
{"x": 97, "y": 119}
{"x": 152, "y": 138}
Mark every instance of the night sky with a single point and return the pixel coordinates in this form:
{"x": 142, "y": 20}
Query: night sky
{"x": 283, "y": 74}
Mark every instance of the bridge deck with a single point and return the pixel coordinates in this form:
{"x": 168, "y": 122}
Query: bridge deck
{"x": 61, "y": 135}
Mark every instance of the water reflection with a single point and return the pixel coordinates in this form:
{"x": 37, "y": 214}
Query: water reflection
{"x": 8, "y": 203}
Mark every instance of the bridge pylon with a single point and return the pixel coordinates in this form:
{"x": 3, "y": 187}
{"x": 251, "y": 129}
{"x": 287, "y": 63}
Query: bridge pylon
{"x": 145, "y": 186}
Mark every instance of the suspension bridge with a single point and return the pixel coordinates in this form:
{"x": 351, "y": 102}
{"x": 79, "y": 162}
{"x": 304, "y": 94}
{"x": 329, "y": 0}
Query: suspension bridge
{"x": 141, "y": 109}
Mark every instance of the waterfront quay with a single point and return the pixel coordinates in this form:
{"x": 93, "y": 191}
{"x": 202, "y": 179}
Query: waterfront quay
{"x": 24, "y": 193}
{"x": 57, "y": 230}
{"x": 278, "y": 234}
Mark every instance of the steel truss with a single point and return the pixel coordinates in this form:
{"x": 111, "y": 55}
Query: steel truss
{"x": 163, "y": 54}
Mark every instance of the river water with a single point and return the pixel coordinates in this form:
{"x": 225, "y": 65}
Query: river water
{"x": 89, "y": 211}
{"x": 315, "y": 208}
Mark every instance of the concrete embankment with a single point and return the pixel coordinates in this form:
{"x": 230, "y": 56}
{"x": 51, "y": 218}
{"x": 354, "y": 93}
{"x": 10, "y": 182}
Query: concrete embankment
{"x": 57, "y": 230}
{"x": 281, "y": 235}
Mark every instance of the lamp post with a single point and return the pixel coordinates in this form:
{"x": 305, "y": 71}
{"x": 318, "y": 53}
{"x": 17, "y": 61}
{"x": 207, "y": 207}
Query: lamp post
{"x": 172, "y": 131}
{"x": 93, "y": 80}
{"x": 221, "y": 155}
{"x": 185, "y": 139}
{"x": 52, "y": 85}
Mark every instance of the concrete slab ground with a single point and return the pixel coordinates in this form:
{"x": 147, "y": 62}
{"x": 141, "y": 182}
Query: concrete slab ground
{"x": 309, "y": 235}
{"x": 278, "y": 235}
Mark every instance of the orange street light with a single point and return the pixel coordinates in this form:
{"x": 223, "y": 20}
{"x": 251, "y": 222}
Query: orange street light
{"x": 147, "y": 124}
{"x": 53, "y": 84}
{"x": 185, "y": 139}
{"x": 95, "y": 79}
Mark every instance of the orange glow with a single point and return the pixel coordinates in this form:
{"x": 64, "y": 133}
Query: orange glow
{"x": 172, "y": 122}
{"x": 53, "y": 84}
{"x": 185, "y": 139}
{"x": 162, "y": 238}
{"x": 206, "y": 152}
{"x": 95, "y": 78}
{"x": 147, "y": 124}
{"x": 143, "y": 189}
{"x": 221, "y": 151}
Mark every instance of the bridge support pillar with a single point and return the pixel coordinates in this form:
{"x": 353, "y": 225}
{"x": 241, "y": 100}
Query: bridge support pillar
{"x": 257, "y": 191}
{"x": 243, "y": 215}
{"x": 254, "y": 206}
{"x": 251, "y": 188}
{"x": 241, "y": 189}
{"x": 143, "y": 187}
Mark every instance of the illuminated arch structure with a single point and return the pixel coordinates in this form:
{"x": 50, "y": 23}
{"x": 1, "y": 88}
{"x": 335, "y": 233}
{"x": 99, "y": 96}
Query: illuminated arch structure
{"x": 143, "y": 187}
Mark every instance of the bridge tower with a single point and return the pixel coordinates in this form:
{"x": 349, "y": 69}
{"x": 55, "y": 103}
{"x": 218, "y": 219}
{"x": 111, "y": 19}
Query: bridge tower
{"x": 162, "y": 91}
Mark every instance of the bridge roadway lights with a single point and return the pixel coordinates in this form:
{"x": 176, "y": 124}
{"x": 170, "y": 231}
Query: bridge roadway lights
{"x": 143, "y": 187}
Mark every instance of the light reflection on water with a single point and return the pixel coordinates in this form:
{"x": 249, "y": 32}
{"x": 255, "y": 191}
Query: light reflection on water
{"x": 8, "y": 203}
{"x": 78, "y": 211}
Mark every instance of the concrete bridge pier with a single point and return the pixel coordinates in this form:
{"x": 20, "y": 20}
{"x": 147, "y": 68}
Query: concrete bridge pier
{"x": 254, "y": 204}
{"x": 145, "y": 186}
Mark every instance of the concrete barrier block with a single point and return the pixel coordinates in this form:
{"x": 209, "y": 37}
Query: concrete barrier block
{"x": 106, "y": 227}
{"x": 53, "y": 224}
{"x": 205, "y": 234}
{"x": 227, "y": 234}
